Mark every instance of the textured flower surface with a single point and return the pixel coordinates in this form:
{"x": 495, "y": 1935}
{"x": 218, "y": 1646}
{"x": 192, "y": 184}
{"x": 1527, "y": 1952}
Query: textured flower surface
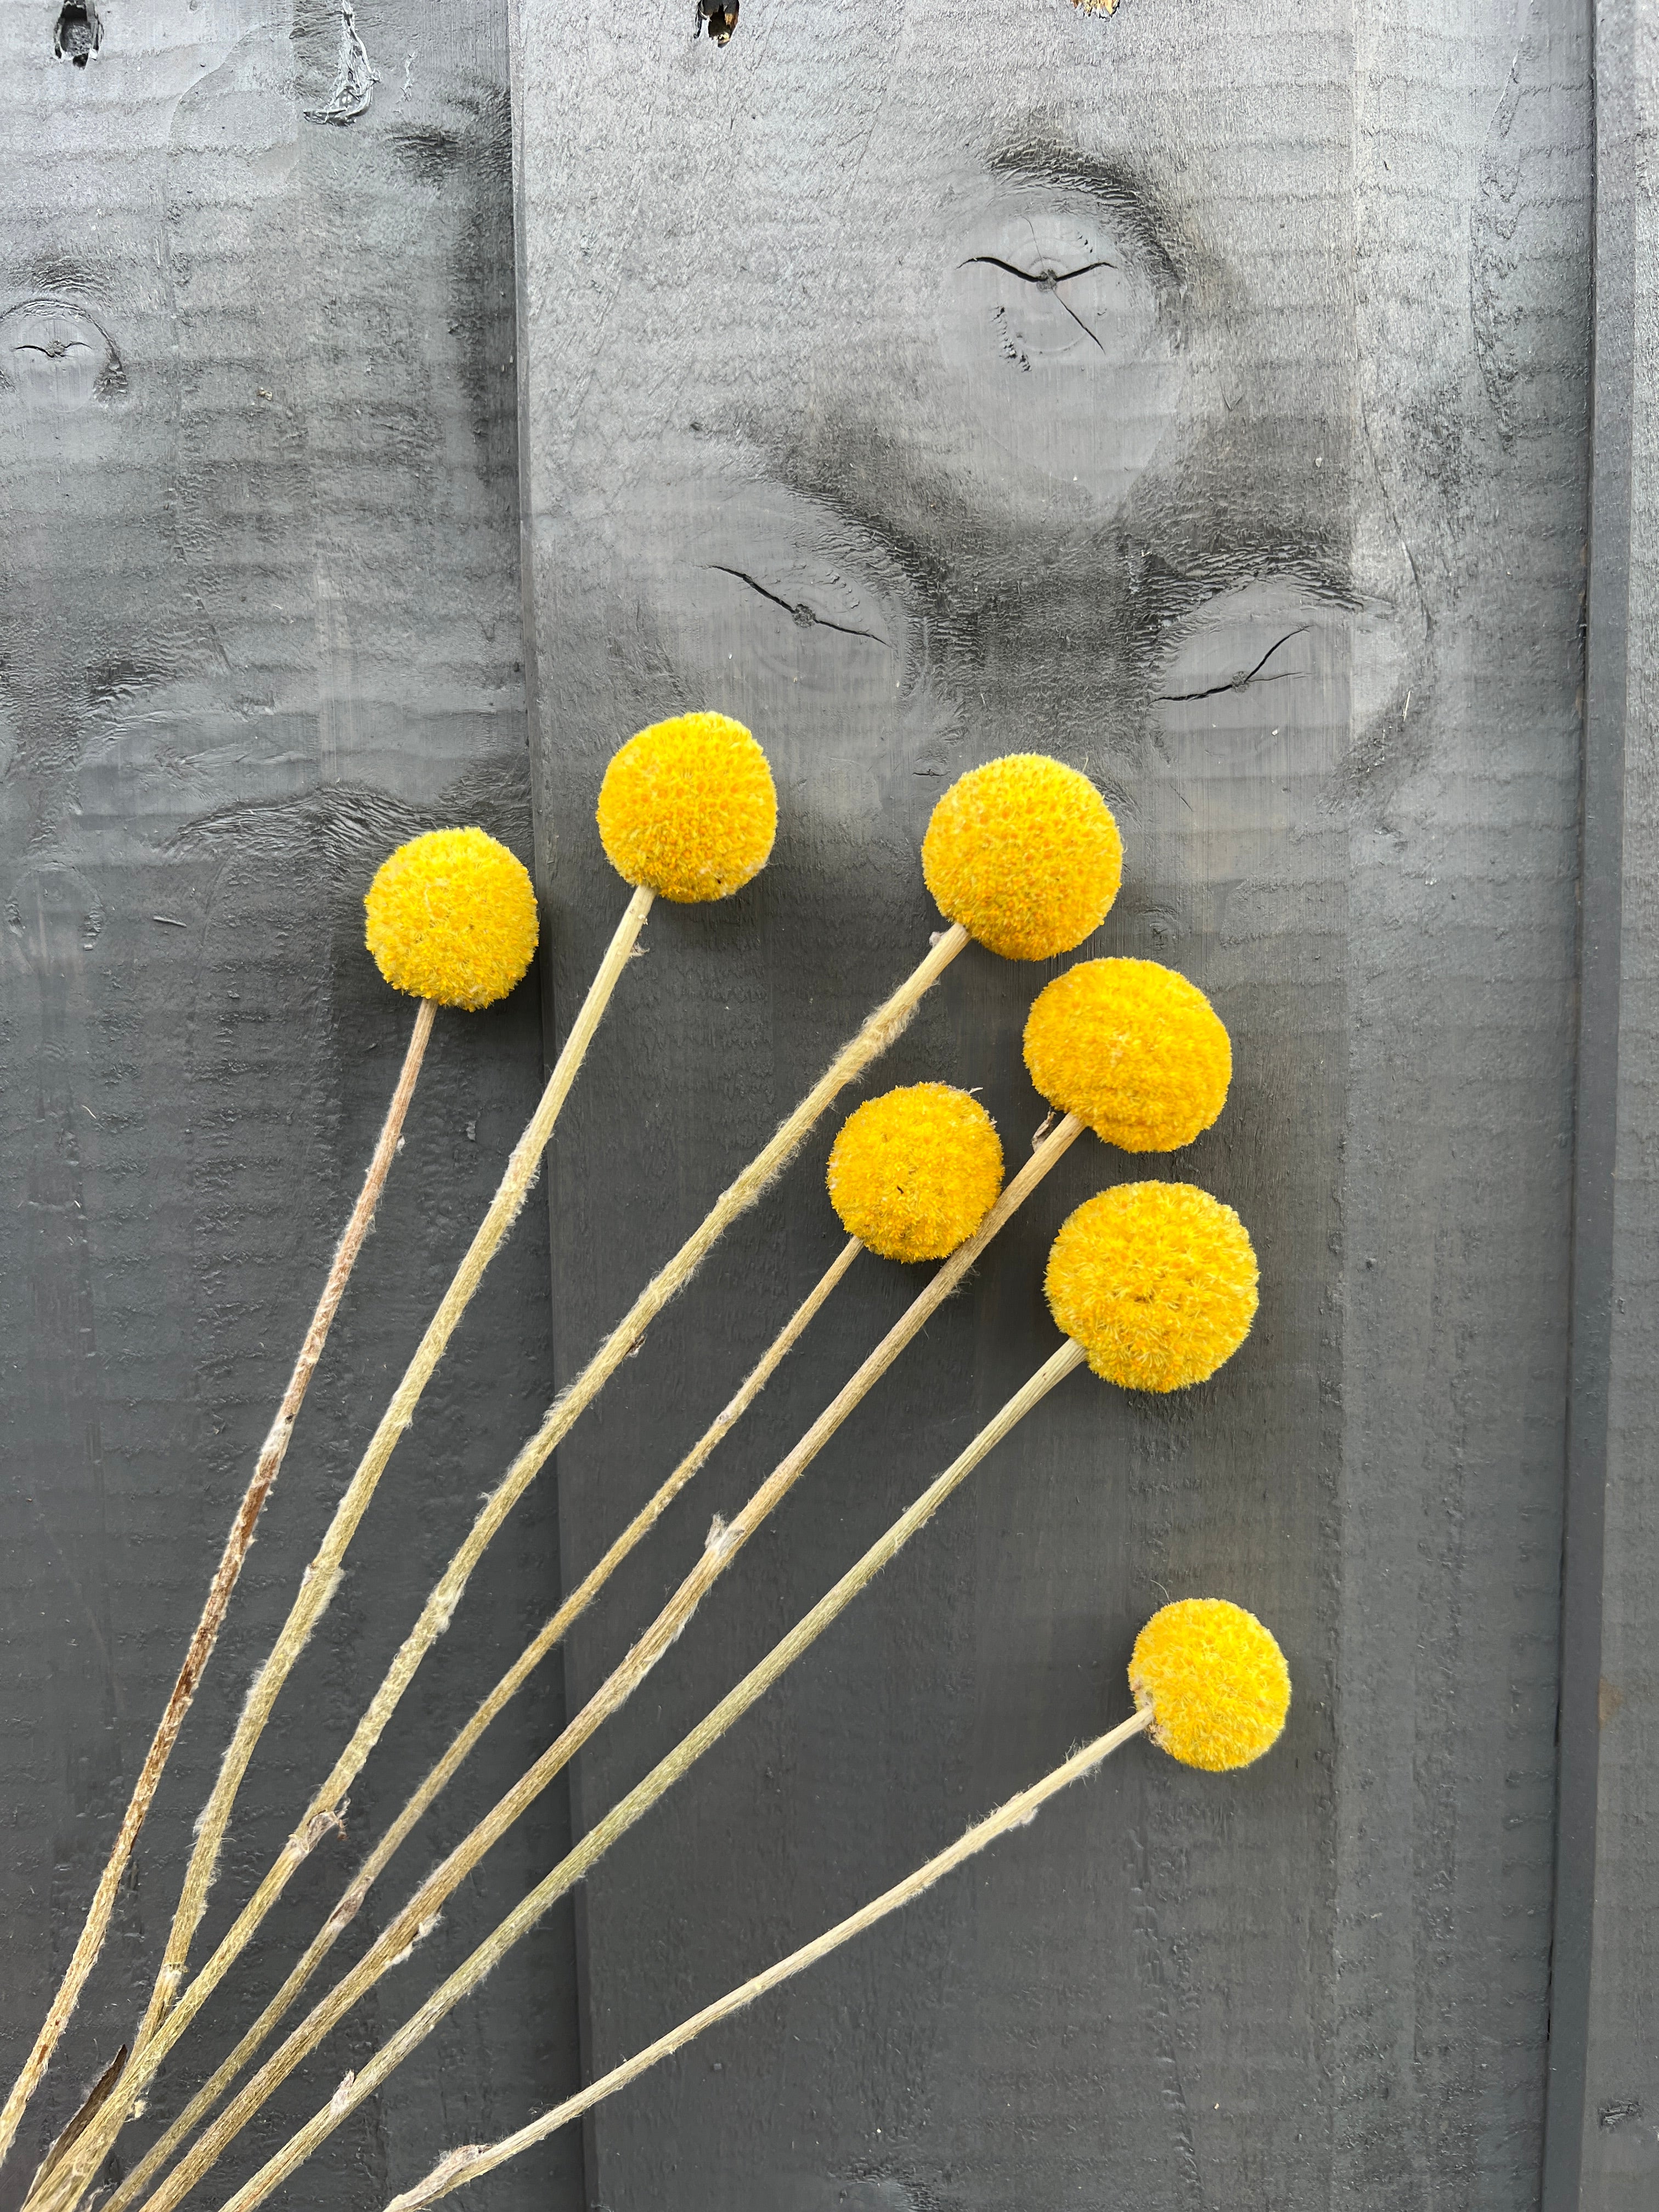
{"x": 1132, "y": 1048}
{"x": 1024, "y": 853}
{"x": 1216, "y": 1680}
{"x": 688, "y": 808}
{"x": 451, "y": 916}
{"x": 914, "y": 1172}
{"x": 1155, "y": 1281}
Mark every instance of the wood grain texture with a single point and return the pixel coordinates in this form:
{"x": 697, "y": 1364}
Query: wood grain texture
{"x": 1199, "y": 395}
{"x": 259, "y": 453}
{"x": 1614, "y": 1702}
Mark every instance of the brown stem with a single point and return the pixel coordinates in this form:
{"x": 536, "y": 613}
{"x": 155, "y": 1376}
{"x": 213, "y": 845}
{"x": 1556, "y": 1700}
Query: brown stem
{"x": 660, "y": 1638}
{"x": 167, "y": 2015}
{"x": 466, "y": 1977}
{"x": 473, "y": 2161}
{"x": 266, "y": 1469}
{"x": 443, "y": 1773}
{"x": 168, "y": 2019}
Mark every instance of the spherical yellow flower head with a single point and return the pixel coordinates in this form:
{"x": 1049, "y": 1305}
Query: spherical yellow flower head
{"x": 451, "y": 916}
{"x": 1132, "y": 1048}
{"x": 914, "y": 1173}
{"x": 688, "y": 808}
{"x": 1215, "y": 1682}
{"x": 1155, "y": 1281}
{"x": 1024, "y": 853}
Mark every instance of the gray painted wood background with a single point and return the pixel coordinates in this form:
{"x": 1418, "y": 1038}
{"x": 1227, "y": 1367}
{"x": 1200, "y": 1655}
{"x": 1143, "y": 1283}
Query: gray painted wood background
{"x": 257, "y": 413}
{"x": 815, "y": 429}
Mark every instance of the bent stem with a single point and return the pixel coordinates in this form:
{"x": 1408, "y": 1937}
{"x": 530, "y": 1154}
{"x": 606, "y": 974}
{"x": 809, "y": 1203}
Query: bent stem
{"x": 517, "y": 1923}
{"x": 471, "y": 2161}
{"x": 879, "y": 1030}
{"x": 446, "y": 1769}
{"x": 217, "y": 1604}
{"x": 158, "y": 2030}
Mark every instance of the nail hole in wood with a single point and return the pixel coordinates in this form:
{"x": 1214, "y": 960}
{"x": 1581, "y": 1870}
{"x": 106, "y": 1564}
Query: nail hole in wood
{"x": 79, "y": 34}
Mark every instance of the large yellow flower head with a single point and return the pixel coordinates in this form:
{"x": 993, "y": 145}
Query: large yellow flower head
{"x": 914, "y": 1172}
{"x": 1215, "y": 1682}
{"x": 1155, "y": 1281}
{"x": 1024, "y": 853}
{"x": 688, "y": 808}
{"x": 451, "y": 916}
{"x": 1132, "y": 1048}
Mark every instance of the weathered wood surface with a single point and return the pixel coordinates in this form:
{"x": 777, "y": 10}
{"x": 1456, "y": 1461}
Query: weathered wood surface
{"x": 257, "y": 462}
{"x": 1604, "y": 2113}
{"x": 812, "y": 437}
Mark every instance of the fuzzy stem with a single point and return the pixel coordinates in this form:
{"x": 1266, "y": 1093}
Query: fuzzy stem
{"x": 444, "y": 1771}
{"x": 237, "y": 1546}
{"x": 879, "y": 1030}
{"x": 473, "y": 2161}
{"x": 162, "y": 2024}
{"x": 357, "y": 2087}
{"x": 416, "y": 1915}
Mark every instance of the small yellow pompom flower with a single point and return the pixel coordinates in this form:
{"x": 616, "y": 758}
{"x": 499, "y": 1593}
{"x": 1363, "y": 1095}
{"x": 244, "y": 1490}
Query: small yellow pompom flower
{"x": 1155, "y": 1281}
{"x": 1132, "y": 1048}
{"x": 451, "y": 916}
{"x": 1024, "y": 853}
{"x": 914, "y": 1173}
{"x": 688, "y": 808}
{"x": 1215, "y": 1682}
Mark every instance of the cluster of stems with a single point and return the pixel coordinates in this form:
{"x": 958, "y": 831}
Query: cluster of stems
{"x": 74, "y": 2162}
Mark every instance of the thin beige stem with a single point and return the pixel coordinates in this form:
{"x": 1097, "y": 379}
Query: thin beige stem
{"x": 444, "y": 1771}
{"x": 157, "y": 2031}
{"x": 237, "y": 1544}
{"x": 473, "y": 2161}
{"x": 622, "y": 1817}
{"x": 879, "y": 1030}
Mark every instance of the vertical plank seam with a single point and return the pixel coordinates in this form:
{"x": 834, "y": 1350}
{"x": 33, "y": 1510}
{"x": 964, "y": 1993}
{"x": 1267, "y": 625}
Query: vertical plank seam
{"x": 1595, "y": 1096}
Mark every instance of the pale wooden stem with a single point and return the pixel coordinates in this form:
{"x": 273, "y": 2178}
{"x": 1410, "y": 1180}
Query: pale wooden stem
{"x": 162, "y": 2024}
{"x": 237, "y": 1544}
{"x": 443, "y": 1773}
{"x": 571, "y": 1869}
{"x": 879, "y": 1030}
{"x": 473, "y": 2161}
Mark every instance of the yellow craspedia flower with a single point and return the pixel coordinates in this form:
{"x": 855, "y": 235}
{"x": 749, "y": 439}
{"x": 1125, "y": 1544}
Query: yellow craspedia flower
{"x": 914, "y": 1173}
{"x": 1155, "y": 1281}
{"x": 688, "y": 808}
{"x": 1215, "y": 1682}
{"x": 1132, "y": 1048}
{"x": 1024, "y": 853}
{"x": 451, "y": 916}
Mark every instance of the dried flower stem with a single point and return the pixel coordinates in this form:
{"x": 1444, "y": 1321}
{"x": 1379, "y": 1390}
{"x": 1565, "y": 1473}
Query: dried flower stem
{"x": 446, "y": 1769}
{"x": 237, "y": 1546}
{"x": 879, "y": 1030}
{"x": 870, "y": 1043}
{"x": 627, "y": 1677}
{"x": 473, "y": 2161}
{"x": 357, "y": 2087}
{"x": 164, "y": 2020}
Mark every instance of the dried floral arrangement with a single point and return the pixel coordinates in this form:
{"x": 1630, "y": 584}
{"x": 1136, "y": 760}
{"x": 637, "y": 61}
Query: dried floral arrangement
{"x": 1152, "y": 1286}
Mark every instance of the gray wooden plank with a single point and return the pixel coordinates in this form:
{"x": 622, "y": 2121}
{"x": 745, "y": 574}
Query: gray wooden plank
{"x": 1614, "y": 2145}
{"x": 258, "y": 449}
{"x": 796, "y": 449}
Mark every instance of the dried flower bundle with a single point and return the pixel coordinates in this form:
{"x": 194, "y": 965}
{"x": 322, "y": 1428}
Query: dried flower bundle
{"x": 1153, "y": 1285}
